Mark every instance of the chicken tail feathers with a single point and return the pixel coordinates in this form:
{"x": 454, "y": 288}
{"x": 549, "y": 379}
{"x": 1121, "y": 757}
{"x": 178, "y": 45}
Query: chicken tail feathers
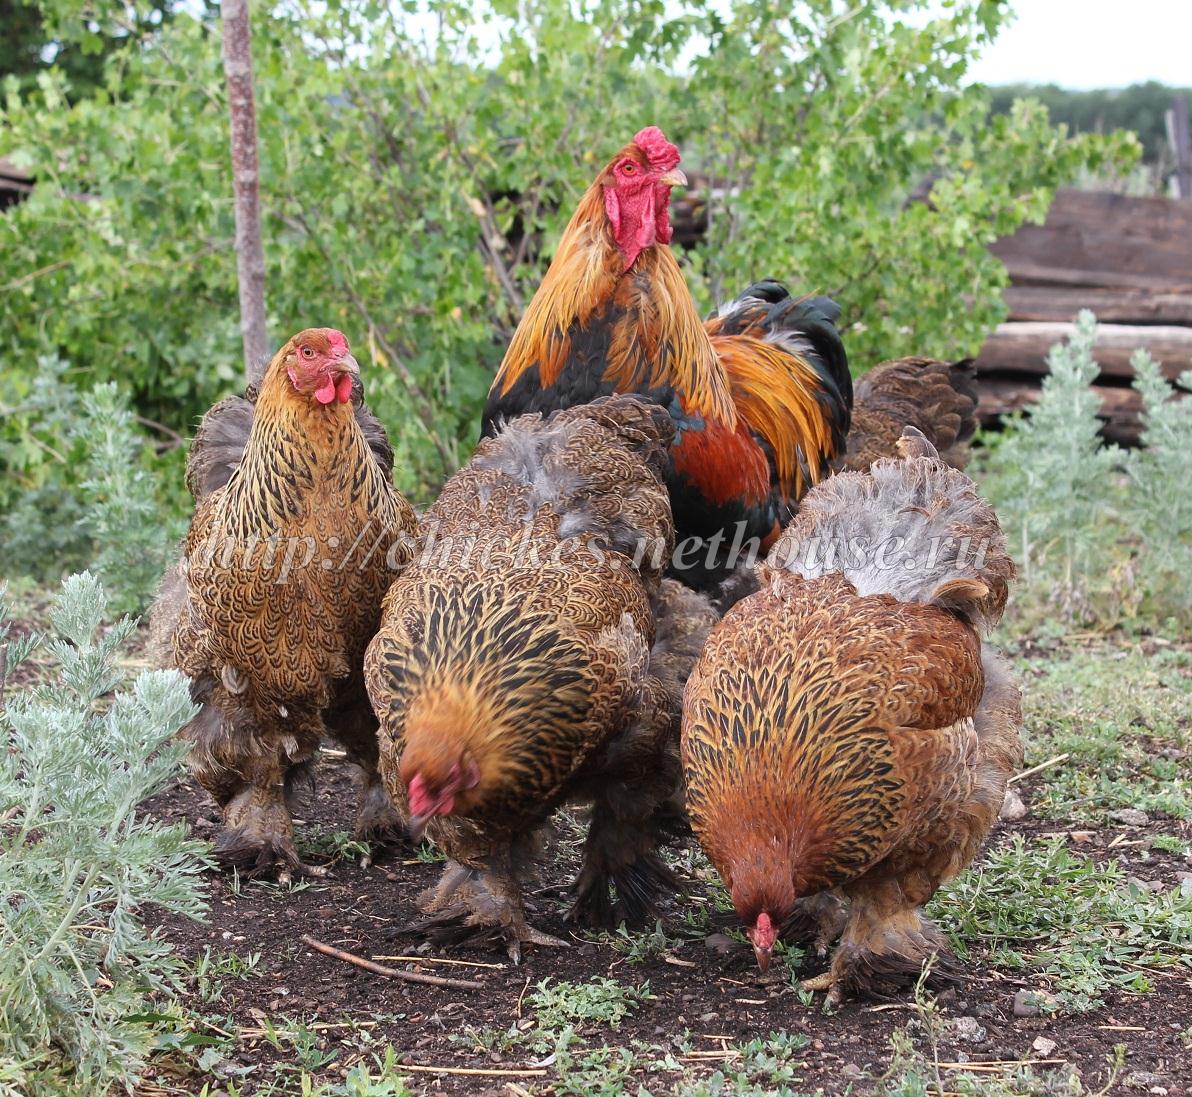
{"x": 912, "y": 528}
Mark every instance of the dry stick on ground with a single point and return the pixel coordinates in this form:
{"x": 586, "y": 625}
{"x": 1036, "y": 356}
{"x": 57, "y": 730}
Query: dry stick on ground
{"x": 1041, "y": 766}
{"x": 472, "y": 1071}
{"x": 389, "y": 972}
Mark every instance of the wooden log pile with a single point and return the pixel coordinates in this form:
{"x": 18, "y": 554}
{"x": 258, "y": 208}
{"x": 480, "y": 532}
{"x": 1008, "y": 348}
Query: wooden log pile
{"x": 1127, "y": 259}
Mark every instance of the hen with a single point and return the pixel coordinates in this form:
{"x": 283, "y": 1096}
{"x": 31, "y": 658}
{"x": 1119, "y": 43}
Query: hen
{"x": 760, "y": 394}
{"x": 533, "y": 654}
{"x": 296, "y": 534}
{"x": 847, "y": 737}
{"x": 937, "y": 398}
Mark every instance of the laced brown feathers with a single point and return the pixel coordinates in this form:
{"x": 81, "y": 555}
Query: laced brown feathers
{"x": 296, "y": 535}
{"x": 515, "y": 666}
{"x": 847, "y": 737}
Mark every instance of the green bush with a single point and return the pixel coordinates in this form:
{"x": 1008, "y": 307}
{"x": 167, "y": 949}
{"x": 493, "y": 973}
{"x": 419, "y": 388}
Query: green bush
{"x": 86, "y": 492}
{"x": 1102, "y": 536}
{"x": 413, "y": 185}
{"x": 79, "y": 862}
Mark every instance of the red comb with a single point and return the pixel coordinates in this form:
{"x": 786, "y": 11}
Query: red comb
{"x": 337, "y": 341}
{"x": 659, "y": 151}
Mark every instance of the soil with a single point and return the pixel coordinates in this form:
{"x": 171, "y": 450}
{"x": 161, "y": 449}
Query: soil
{"x": 718, "y": 995}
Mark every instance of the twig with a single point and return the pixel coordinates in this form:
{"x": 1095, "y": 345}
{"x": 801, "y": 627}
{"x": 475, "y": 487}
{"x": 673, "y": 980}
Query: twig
{"x": 1041, "y": 766}
{"x": 1001, "y": 1064}
{"x": 389, "y": 972}
{"x": 441, "y": 960}
{"x": 482, "y": 1072}
{"x": 522, "y": 996}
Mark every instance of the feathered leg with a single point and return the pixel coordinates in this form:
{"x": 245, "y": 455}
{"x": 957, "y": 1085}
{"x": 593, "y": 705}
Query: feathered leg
{"x": 250, "y": 768}
{"x": 480, "y": 905}
{"x": 886, "y": 944}
{"x": 630, "y": 817}
{"x": 353, "y": 724}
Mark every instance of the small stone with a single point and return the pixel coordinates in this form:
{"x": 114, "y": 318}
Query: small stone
{"x": 1144, "y": 1079}
{"x": 1026, "y": 1004}
{"x": 709, "y": 1017}
{"x": 1130, "y": 817}
{"x": 1044, "y": 1046}
{"x": 850, "y": 1070}
{"x": 392, "y": 877}
{"x": 1013, "y": 808}
{"x": 720, "y": 943}
{"x": 969, "y": 1030}
{"x": 1081, "y": 837}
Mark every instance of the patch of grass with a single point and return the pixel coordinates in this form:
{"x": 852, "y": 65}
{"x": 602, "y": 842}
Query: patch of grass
{"x": 212, "y": 969}
{"x": 1122, "y": 716}
{"x": 1077, "y": 924}
{"x": 600, "y": 1002}
{"x": 333, "y": 846}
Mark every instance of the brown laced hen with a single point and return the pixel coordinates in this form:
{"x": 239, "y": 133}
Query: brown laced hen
{"x": 532, "y": 654}
{"x": 937, "y": 398}
{"x": 296, "y": 535}
{"x": 847, "y": 737}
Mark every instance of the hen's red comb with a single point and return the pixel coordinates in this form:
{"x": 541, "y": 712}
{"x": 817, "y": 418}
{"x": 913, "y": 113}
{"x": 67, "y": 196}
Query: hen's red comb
{"x": 659, "y": 151}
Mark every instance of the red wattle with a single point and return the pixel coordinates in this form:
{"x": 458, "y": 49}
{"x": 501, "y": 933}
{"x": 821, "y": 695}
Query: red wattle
{"x": 325, "y": 393}
{"x": 343, "y": 388}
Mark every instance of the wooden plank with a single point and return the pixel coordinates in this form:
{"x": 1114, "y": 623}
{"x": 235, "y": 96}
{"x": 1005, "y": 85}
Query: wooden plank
{"x": 1112, "y": 306}
{"x": 1101, "y": 239}
{"x": 1121, "y": 407}
{"x": 1022, "y": 347}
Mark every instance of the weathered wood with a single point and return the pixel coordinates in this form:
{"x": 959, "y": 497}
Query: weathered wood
{"x": 1181, "y": 145}
{"x": 1112, "y": 306}
{"x": 1121, "y": 407}
{"x": 1093, "y": 238}
{"x": 1022, "y": 347}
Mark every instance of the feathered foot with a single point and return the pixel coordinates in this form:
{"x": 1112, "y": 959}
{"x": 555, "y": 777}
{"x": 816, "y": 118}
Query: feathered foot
{"x": 479, "y": 907}
{"x": 817, "y": 921}
{"x": 378, "y": 823}
{"x": 258, "y": 837}
{"x": 639, "y": 887}
{"x": 881, "y": 953}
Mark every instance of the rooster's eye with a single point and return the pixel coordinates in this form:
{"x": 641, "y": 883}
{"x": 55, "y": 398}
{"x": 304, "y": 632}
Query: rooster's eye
{"x": 307, "y": 352}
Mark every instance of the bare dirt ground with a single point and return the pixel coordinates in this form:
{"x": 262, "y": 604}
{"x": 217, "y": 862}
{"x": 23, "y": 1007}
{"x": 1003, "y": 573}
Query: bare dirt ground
{"x": 705, "y": 985}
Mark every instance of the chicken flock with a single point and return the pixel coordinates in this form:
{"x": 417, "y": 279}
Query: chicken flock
{"x": 691, "y": 578}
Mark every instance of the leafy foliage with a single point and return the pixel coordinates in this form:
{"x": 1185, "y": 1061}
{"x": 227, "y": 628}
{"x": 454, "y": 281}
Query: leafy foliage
{"x": 78, "y": 862}
{"x": 1101, "y": 535}
{"x": 96, "y": 501}
{"x": 413, "y": 183}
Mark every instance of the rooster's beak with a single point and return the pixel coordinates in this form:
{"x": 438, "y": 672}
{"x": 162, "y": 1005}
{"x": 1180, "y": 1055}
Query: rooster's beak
{"x": 673, "y": 178}
{"x": 763, "y": 958}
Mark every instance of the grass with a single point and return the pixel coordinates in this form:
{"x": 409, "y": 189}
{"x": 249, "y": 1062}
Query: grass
{"x": 1122, "y": 717}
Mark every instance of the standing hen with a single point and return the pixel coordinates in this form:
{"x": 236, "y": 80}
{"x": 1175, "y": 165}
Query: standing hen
{"x": 846, "y": 734}
{"x": 296, "y": 532}
{"x": 521, "y": 663}
{"x": 760, "y": 394}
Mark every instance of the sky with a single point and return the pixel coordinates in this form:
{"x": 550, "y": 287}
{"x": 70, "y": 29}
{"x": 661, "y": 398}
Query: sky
{"x": 1092, "y": 44}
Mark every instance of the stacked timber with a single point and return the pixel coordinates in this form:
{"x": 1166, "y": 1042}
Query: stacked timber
{"x": 1127, "y": 259}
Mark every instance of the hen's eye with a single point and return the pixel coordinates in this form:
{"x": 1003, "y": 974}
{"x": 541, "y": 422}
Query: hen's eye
{"x": 629, "y": 169}
{"x": 307, "y": 352}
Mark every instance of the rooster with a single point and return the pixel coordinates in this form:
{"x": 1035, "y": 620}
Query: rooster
{"x": 296, "y": 532}
{"x": 532, "y": 654}
{"x": 760, "y": 394}
{"x": 847, "y": 737}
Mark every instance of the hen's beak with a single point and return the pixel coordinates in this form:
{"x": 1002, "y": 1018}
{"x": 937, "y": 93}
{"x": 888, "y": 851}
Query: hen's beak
{"x": 417, "y": 827}
{"x": 763, "y": 958}
{"x": 348, "y": 364}
{"x": 673, "y": 178}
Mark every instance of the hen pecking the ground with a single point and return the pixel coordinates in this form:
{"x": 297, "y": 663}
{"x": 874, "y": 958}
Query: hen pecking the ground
{"x": 296, "y": 535}
{"x": 533, "y": 654}
{"x": 847, "y": 735}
